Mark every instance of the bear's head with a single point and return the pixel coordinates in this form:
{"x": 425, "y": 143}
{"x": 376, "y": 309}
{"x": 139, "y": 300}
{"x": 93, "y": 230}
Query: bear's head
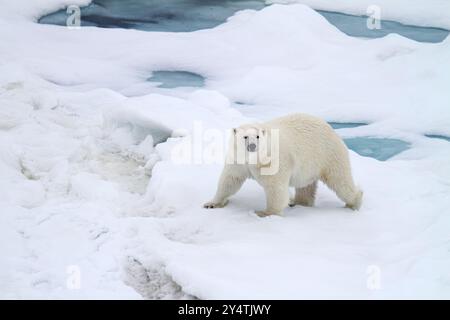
{"x": 250, "y": 144}
{"x": 250, "y": 137}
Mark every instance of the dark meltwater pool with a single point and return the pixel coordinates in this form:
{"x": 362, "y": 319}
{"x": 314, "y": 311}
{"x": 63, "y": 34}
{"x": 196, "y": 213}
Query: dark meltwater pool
{"x": 157, "y": 15}
{"x": 175, "y": 79}
{"x": 356, "y": 26}
{"x": 342, "y": 125}
{"x": 438, "y": 136}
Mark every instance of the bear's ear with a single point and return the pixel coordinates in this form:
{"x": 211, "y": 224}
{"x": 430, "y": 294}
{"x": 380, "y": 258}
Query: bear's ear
{"x": 263, "y": 131}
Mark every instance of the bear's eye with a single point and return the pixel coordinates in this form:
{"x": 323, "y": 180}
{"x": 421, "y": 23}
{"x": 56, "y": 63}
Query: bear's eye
{"x": 245, "y": 137}
{"x": 257, "y": 137}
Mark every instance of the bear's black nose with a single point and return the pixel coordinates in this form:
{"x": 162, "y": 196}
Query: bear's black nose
{"x": 251, "y": 147}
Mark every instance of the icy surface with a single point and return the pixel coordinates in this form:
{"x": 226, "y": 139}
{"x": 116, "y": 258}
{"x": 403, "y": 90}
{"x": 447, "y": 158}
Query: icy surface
{"x": 92, "y": 207}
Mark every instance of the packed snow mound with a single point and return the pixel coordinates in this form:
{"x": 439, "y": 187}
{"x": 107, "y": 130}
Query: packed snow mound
{"x": 434, "y": 13}
{"x": 174, "y": 113}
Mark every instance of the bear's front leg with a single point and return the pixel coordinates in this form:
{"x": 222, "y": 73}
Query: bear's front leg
{"x": 277, "y": 197}
{"x": 231, "y": 180}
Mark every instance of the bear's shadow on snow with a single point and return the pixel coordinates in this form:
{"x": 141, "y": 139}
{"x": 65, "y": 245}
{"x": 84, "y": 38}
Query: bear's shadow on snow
{"x": 252, "y": 198}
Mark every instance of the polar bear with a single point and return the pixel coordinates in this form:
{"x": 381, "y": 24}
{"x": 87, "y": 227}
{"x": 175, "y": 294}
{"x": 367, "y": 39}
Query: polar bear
{"x": 296, "y": 151}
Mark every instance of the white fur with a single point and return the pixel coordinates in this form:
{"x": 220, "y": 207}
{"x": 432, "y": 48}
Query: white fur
{"x": 309, "y": 150}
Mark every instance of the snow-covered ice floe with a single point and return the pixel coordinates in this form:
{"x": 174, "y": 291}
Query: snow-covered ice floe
{"x": 97, "y": 203}
{"x": 192, "y": 15}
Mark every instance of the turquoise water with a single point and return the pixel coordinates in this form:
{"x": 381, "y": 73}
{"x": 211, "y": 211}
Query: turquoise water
{"x": 156, "y": 15}
{"x": 378, "y": 148}
{"x": 341, "y": 125}
{"x": 356, "y": 26}
{"x": 175, "y": 79}
{"x": 438, "y": 136}
{"x": 191, "y": 15}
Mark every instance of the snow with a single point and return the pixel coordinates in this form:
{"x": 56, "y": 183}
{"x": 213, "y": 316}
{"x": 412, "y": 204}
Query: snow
{"x": 100, "y": 201}
{"x": 26, "y": 10}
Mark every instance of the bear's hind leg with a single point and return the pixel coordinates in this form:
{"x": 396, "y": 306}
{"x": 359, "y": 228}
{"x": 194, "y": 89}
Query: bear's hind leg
{"x": 305, "y": 196}
{"x": 342, "y": 184}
